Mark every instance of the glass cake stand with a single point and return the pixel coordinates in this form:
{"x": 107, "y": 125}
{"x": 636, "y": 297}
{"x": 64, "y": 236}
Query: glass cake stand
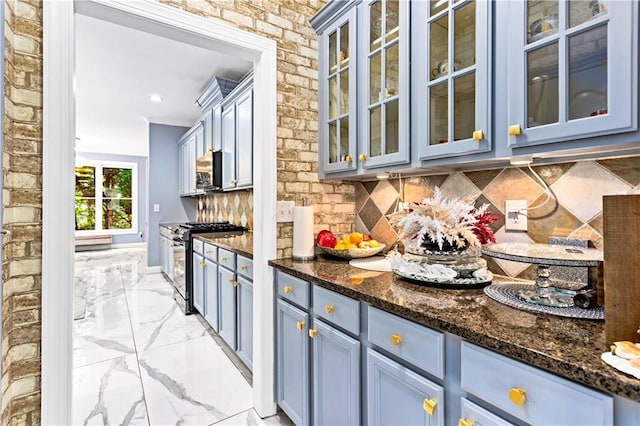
{"x": 545, "y": 256}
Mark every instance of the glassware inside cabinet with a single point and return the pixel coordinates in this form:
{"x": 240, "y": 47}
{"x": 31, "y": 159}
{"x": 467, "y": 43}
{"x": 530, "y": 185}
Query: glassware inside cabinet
{"x": 338, "y": 76}
{"x": 588, "y": 92}
{"x": 542, "y": 19}
{"x": 542, "y": 82}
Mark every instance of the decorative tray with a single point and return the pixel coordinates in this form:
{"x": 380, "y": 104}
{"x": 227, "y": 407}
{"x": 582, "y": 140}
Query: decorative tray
{"x": 509, "y": 295}
{"x": 477, "y": 281}
{"x": 355, "y": 253}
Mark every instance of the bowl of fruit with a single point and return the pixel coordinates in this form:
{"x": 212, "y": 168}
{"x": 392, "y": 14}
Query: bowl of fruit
{"x": 355, "y": 245}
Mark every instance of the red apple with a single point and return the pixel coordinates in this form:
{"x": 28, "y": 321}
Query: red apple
{"x": 322, "y": 233}
{"x": 328, "y": 240}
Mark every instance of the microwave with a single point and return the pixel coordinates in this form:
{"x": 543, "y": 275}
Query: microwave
{"x": 209, "y": 171}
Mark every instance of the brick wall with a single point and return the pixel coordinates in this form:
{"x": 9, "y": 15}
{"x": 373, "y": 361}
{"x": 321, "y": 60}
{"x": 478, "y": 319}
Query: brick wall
{"x": 287, "y": 22}
{"x": 22, "y": 202}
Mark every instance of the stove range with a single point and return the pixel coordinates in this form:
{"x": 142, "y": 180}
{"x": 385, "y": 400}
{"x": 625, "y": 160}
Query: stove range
{"x": 183, "y": 289}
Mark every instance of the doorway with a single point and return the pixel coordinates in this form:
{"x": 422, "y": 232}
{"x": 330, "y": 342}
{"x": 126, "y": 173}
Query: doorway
{"x": 58, "y": 162}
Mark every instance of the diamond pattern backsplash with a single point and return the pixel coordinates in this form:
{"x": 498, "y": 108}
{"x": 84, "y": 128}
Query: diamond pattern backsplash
{"x": 235, "y": 207}
{"x": 574, "y": 210}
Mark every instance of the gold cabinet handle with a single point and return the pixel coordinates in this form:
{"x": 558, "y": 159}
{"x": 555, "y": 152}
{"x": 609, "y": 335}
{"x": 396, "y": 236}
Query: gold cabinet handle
{"x": 329, "y": 309}
{"x": 244, "y": 267}
{"x": 300, "y": 325}
{"x": 233, "y": 181}
{"x": 395, "y": 339}
{"x": 235, "y": 283}
{"x": 208, "y": 252}
{"x": 313, "y": 333}
{"x": 429, "y": 406}
{"x": 223, "y": 259}
{"x": 288, "y": 289}
{"x": 210, "y": 149}
{"x": 518, "y": 396}
{"x": 348, "y": 159}
{"x": 362, "y": 157}
{"x": 478, "y": 135}
{"x": 515, "y": 130}
{"x": 465, "y": 422}
{"x": 201, "y": 263}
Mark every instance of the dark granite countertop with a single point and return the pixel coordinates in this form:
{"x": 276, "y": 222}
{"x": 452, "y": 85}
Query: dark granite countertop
{"x": 567, "y": 347}
{"x": 240, "y": 244}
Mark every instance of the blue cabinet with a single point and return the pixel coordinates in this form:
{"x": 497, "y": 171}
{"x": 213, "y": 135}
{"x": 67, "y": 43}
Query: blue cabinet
{"x": 237, "y": 137}
{"x": 211, "y": 293}
{"x": 336, "y": 376}
{"x": 451, "y": 78}
{"x": 245, "y": 320}
{"x": 572, "y": 70}
{"x": 227, "y": 307}
{"x": 198, "y": 283}
{"x": 337, "y": 126}
{"x": 190, "y": 145}
{"x": 383, "y": 91}
{"x": 292, "y": 362}
{"x": 396, "y": 395}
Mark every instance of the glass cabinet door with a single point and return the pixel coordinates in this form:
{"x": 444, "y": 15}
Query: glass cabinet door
{"x": 384, "y": 89}
{"x": 570, "y": 70}
{"x": 451, "y": 77}
{"x": 337, "y": 148}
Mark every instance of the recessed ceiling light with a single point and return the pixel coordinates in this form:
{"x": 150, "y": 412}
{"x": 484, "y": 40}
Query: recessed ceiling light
{"x": 156, "y": 98}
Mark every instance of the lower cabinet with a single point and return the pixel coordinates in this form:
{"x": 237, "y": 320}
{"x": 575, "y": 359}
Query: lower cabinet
{"x": 211, "y": 293}
{"x": 245, "y": 320}
{"x": 292, "y": 362}
{"x": 336, "y": 376}
{"x": 227, "y": 306}
{"x": 397, "y": 395}
{"x": 198, "y": 283}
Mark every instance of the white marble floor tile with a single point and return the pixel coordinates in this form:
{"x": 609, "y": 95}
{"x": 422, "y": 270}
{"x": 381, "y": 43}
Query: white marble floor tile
{"x": 109, "y": 392}
{"x": 192, "y": 382}
{"x": 153, "y": 291}
{"x": 251, "y": 418}
{"x": 162, "y": 326}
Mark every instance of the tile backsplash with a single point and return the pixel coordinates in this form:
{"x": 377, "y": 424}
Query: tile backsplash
{"x": 235, "y": 207}
{"x": 574, "y": 209}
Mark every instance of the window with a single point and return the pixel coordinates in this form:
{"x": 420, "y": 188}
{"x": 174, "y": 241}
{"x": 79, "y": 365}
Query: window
{"x": 106, "y": 198}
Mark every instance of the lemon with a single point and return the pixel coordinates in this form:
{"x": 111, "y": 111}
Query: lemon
{"x": 340, "y": 246}
{"x": 374, "y": 243}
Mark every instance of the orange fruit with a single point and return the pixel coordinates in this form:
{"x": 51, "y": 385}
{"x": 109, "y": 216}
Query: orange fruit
{"x": 356, "y": 237}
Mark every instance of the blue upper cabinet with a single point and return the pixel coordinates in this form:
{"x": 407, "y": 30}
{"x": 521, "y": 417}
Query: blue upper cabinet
{"x": 572, "y": 70}
{"x": 451, "y": 77}
{"x": 383, "y": 91}
{"x": 337, "y": 95}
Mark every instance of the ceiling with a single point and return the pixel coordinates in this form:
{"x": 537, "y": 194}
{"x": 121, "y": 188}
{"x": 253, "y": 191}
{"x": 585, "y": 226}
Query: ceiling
{"x": 118, "y": 68}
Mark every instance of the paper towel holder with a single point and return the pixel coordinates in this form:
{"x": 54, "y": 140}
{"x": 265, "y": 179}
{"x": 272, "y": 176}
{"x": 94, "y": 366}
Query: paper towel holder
{"x": 304, "y": 258}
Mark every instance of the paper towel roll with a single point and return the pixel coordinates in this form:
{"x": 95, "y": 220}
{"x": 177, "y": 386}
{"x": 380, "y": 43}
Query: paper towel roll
{"x": 303, "y": 233}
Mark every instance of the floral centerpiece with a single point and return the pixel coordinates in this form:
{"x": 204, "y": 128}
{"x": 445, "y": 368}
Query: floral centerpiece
{"x": 444, "y": 224}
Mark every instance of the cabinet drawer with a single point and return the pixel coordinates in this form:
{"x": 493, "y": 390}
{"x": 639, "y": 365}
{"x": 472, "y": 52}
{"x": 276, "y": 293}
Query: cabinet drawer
{"x": 198, "y": 246}
{"x": 336, "y": 308}
{"x": 530, "y": 394}
{"x": 227, "y": 259}
{"x": 211, "y": 252}
{"x": 472, "y": 415}
{"x": 293, "y": 289}
{"x": 245, "y": 266}
{"x": 412, "y": 342}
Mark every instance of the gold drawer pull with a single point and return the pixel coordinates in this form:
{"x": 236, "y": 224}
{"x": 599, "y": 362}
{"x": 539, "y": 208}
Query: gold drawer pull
{"x": 223, "y": 259}
{"x": 244, "y": 267}
{"x": 429, "y": 406}
{"x": 518, "y": 396}
{"x": 465, "y": 422}
{"x": 313, "y": 333}
{"x": 235, "y": 283}
{"x": 515, "y": 130}
{"x": 329, "y": 309}
{"x": 348, "y": 159}
{"x": 201, "y": 263}
{"x": 300, "y": 325}
{"x": 478, "y": 135}
{"x": 208, "y": 252}
{"x": 395, "y": 339}
{"x": 362, "y": 157}
{"x": 233, "y": 181}
{"x": 288, "y": 289}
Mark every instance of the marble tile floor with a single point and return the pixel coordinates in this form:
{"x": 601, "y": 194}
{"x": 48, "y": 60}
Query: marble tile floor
{"x": 139, "y": 361}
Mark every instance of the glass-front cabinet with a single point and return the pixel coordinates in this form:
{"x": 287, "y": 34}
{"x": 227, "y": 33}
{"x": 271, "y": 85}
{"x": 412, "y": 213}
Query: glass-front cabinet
{"x": 384, "y": 84}
{"x": 451, "y": 77}
{"x": 337, "y": 95}
{"x": 571, "y": 70}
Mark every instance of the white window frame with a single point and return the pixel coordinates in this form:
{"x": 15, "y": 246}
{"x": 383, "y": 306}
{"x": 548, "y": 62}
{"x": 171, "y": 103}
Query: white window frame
{"x": 100, "y": 165}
